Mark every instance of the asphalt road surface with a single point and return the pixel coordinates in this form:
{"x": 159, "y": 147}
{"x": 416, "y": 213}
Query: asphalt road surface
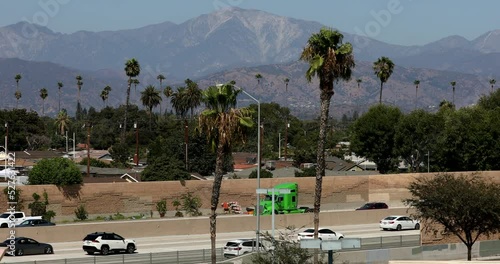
{"x": 196, "y": 245}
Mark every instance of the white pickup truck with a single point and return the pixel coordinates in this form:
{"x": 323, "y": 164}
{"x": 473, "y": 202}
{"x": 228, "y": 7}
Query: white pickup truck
{"x": 9, "y": 219}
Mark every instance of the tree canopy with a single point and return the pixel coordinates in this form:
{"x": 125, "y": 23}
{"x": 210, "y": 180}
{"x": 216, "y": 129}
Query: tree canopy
{"x": 58, "y": 171}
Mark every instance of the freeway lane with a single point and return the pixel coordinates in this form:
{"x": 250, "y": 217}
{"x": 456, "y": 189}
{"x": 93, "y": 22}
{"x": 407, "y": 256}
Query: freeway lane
{"x": 197, "y": 243}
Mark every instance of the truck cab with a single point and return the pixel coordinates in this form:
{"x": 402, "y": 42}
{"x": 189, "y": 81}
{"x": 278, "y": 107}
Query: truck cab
{"x": 284, "y": 203}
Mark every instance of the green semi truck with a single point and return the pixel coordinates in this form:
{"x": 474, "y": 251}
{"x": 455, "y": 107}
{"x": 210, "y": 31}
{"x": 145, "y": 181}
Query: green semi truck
{"x": 285, "y": 201}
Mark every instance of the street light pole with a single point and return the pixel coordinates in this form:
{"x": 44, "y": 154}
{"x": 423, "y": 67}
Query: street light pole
{"x": 279, "y": 146}
{"x": 257, "y": 207}
{"x": 286, "y": 138}
{"x": 136, "y": 144}
{"x": 88, "y": 148}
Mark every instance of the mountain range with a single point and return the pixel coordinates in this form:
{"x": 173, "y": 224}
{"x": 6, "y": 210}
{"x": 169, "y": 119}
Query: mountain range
{"x": 235, "y": 44}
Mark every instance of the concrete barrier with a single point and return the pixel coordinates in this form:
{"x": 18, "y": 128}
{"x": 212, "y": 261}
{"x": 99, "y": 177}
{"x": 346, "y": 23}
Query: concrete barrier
{"x": 198, "y": 225}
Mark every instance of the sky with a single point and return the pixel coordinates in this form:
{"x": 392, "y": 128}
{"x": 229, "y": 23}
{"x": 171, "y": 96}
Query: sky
{"x": 404, "y": 22}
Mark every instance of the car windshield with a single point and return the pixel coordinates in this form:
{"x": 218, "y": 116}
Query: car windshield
{"x": 368, "y": 205}
{"x": 310, "y": 230}
{"x": 27, "y": 222}
{"x": 5, "y": 215}
{"x": 390, "y": 218}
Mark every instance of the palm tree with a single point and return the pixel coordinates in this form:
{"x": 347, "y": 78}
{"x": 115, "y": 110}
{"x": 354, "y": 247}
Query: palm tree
{"x": 104, "y": 97}
{"x": 79, "y": 84}
{"x": 416, "y": 83}
{"x": 179, "y": 102}
{"x": 132, "y": 70}
{"x": 330, "y": 60}
{"x": 150, "y": 98}
{"x": 59, "y": 86}
{"x": 43, "y": 94}
{"x": 62, "y": 121}
{"x": 18, "y": 96}
{"x": 286, "y": 80}
{"x": 492, "y": 83}
{"x": 453, "y": 87}
{"x": 383, "y": 68}
{"x": 135, "y": 82}
{"x": 160, "y": 77}
{"x": 359, "y": 81}
{"x": 193, "y": 95}
{"x": 168, "y": 93}
{"x": 258, "y": 76}
{"x": 222, "y": 123}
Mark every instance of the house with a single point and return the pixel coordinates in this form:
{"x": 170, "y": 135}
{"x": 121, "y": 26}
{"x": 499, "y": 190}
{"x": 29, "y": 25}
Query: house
{"x": 336, "y": 164}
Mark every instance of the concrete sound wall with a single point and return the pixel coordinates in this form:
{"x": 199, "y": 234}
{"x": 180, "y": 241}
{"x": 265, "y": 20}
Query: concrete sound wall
{"x": 339, "y": 192}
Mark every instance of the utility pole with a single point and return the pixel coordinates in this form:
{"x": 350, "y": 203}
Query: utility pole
{"x": 136, "y": 144}
{"x": 186, "y": 137}
{"x": 286, "y": 137}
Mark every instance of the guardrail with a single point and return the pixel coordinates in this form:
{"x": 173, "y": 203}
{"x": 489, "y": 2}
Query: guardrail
{"x": 204, "y": 256}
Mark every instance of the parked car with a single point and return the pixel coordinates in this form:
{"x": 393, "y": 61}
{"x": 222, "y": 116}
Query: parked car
{"x": 105, "y": 243}
{"x": 36, "y": 222}
{"x": 27, "y": 246}
{"x": 240, "y": 247}
{"x": 323, "y": 234}
{"x": 399, "y": 222}
{"x": 376, "y": 205}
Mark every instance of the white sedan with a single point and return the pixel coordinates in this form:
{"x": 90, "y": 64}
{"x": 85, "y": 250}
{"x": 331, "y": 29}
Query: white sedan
{"x": 399, "y": 222}
{"x": 323, "y": 234}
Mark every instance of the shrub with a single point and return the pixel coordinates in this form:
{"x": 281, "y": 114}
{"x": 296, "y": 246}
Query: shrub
{"x": 58, "y": 171}
{"x": 81, "y": 213}
{"x": 191, "y": 204}
{"x": 161, "y": 206}
{"x": 263, "y": 174}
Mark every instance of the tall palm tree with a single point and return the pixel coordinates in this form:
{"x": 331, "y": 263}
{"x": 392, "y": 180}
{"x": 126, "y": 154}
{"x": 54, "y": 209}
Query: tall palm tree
{"x": 492, "y": 83}
{"x": 453, "y": 84}
{"x": 60, "y": 85}
{"x": 135, "y": 82}
{"x": 104, "y": 97}
{"x": 132, "y": 70}
{"x": 150, "y": 98}
{"x": 416, "y": 83}
{"x": 160, "y": 77}
{"x": 359, "y": 81}
{"x": 79, "y": 84}
{"x": 18, "y": 96}
{"x": 383, "y": 68}
{"x": 43, "y": 94}
{"x": 193, "y": 95}
{"x": 330, "y": 60}
{"x": 168, "y": 93}
{"x": 62, "y": 121}
{"x": 222, "y": 123}
{"x": 286, "y": 80}
{"x": 258, "y": 76}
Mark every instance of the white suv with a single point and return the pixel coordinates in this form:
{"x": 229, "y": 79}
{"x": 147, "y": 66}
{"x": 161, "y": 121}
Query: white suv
{"x": 107, "y": 242}
{"x": 239, "y": 247}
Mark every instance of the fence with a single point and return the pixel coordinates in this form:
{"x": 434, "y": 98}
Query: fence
{"x": 204, "y": 255}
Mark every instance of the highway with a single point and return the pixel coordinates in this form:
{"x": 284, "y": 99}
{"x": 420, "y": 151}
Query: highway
{"x": 194, "y": 243}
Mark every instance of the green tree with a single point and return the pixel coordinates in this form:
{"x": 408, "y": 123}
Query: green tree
{"x": 150, "y": 98}
{"x": 383, "y": 68}
{"x": 222, "y": 123}
{"x": 165, "y": 168}
{"x": 416, "y": 135}
{"x": 191, "y": 204}
{"x": 160, "y": 78}
{"x": 62, "y": 121}
{"x": 132, "y": 70}
{"x": 120, "y": 154}
{"x": 79, "y": 84}
{"x": 43, "y": 95}
{"x": 416, "y": 83}
{"x": 453, "y": 84}
{"x": 14, "y": 195}
{"x": 331, "y": 60}
{"x": 60, "y": 85}
{"x": 465, "y": 205}
{"x": 193, "y": 95}
{"x": 104, "y": 97}
{"x": 168, "y": 93}
{"x": 359, "y": 81}
{"x": 490, "y": 102}
{"x": 258, "y": 76}
{"x": 263, "y": 174}
{"x": 58, "y": 171}
{"x": 373, "y": 136}
{"x": 286, "y": 81}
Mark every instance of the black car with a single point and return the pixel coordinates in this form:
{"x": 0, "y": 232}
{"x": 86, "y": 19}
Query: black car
{"x": 377, "y": 205}
{"x": 27, "y": 246}
{"x": 35, "y": 222}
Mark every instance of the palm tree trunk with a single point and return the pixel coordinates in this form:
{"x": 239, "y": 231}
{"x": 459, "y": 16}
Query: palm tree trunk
{"x": 126, "y": 107}
{"x": 150, "y": 116}
{"x": 416, "y": 97}
{"x": 326, "y": 95}
{"x": 59, "y": 109}
{"x": 215, "y": 199}
{"x": 43, "y": 107}
{"x": 381, "y": 88}
{"x": 453, "y": 96}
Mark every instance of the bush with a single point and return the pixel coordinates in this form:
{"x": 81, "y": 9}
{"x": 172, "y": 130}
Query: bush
{"x": 161, "y": 206}
{"x": 81, "y": 213}
{"x": 306, "y": 172}
{"x": 191, "y": 204}
{"x": 58, "y": 171}
{"x": 263, "y": 174}
{"x": 176, "y": 204}
{"x": 14, "y": 195}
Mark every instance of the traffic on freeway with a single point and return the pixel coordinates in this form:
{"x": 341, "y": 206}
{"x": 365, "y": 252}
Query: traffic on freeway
{"x": 201, "y": 243}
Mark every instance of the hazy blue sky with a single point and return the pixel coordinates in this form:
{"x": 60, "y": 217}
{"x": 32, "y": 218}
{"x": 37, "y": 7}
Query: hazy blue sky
{"x": 410, "y": 22}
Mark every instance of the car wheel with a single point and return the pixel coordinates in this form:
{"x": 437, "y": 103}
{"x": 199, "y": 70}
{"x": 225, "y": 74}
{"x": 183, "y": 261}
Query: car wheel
{"x": 3, "y": 226}
{"x": 340, "y": 238}
{"x": 19, "y": 252}
{"x": 48, "y": 250}
{"x": 104, "y": 250}
{"x": 130, "y": 248}
{"x": 417, "y": 227}
{"x": 398, "y": 228}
